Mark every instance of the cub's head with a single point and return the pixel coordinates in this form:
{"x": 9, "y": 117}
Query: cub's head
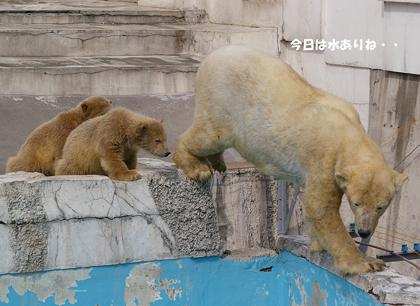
{"x": 152, "y": 137}
{"x": 369, "y": 191}
{"x": 95, "y": 106}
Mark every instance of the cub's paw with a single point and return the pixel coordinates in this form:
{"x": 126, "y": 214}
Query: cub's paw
{"x": 360, "y": 265}
{"x": 128, "y": 176}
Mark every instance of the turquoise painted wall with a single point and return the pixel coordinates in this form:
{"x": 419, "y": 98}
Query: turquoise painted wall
{"x": 211, "y": 281}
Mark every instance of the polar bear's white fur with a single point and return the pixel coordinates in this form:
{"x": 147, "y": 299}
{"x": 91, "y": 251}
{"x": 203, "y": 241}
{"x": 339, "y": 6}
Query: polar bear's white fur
{"x": 255, "y": 103}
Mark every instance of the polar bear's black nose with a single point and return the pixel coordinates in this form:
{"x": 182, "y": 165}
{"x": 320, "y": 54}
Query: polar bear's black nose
{"x": 363, "y": 234}
{"x": 167, "y": 153}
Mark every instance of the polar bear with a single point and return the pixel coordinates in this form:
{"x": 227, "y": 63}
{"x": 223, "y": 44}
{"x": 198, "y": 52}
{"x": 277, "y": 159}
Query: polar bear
{"x": 44, "y": 146}
{"x": 109, "y": 145}
{"x": 257, "y": 104}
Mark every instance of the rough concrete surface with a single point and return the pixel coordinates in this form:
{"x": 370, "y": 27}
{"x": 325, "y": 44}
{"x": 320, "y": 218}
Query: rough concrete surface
{"x": 246, "y": 204}
{"x": 389, "y": 286}
{"x": 79, "y": 221}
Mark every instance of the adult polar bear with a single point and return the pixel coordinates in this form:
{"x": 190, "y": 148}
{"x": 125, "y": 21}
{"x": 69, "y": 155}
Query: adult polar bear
{"x": 255, "y": 103}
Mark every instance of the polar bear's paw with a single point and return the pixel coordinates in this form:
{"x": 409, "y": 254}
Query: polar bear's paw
{"x": 217, "y": 161}
{"x": 128, "y": 176}
{"x": 360, "y": 265}
{"x": 198, "y": 170}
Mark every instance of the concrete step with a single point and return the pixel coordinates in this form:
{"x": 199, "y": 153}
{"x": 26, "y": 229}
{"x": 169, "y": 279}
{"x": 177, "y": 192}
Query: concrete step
{"x": 88, "y": 11}
{"x": 128, "y": 39}
{"x": 116, "y": 75}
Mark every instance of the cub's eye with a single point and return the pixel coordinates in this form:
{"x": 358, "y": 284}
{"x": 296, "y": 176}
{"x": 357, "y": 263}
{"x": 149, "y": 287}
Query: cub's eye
{"x": 356, "y": 204}
{"x": 380, "y": 208}
{"x": 158, "y": 140}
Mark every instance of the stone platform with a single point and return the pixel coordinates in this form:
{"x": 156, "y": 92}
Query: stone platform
{"x": 79, "y": 221}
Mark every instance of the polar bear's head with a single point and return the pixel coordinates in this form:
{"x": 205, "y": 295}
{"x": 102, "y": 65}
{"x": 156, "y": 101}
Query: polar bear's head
{"x": 369, "y": 190}
{"x": 152, "y": 138}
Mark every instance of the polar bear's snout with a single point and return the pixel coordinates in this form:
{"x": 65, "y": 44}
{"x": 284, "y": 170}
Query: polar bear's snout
{"x": 363, "y": 234}
{"x": 366, "y": 221}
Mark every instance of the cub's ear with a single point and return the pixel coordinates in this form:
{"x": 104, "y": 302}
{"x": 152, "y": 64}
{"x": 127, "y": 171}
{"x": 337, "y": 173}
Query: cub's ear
{"x": 399, "y": 179}
{"x": 84, "y": 106}
{"x": 341, "y": 179}
{"x": 161, "y": 121}
{"x": 141, "y": 128}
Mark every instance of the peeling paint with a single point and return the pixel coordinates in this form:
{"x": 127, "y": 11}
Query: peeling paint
{"x": 206, "y": 281}
{"x": 143, "y": 285}
{"x": 319, "y": 295}
{"x": 45, "y": 285}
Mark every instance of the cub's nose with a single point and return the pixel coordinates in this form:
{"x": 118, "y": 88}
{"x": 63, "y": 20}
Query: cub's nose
{"x": 363, "y": 234}
{"x": 167, "y": 153}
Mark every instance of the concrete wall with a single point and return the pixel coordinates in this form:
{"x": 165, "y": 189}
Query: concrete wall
{"x": 395, "y": 108}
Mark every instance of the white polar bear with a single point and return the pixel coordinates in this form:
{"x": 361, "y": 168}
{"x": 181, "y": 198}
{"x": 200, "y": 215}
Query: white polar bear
{"x": 255, "y": 103}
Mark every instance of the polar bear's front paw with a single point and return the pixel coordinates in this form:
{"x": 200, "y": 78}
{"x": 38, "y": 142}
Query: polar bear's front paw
{"x": 128, "y": 176}
{"x": 217, "y": 161}
{"x": 360, "y": 265}
{"x": 199, "y": 171}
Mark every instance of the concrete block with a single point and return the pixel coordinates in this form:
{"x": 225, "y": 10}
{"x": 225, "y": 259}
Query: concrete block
{"x": 246, "y": 205}
{"x": 78, "y": 221}
{"x": 6, "y": 252}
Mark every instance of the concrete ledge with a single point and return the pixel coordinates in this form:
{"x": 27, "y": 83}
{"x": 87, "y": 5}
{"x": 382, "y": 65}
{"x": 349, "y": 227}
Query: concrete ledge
{"x": 388, "y": 286}
{"x": 79, "y": 221}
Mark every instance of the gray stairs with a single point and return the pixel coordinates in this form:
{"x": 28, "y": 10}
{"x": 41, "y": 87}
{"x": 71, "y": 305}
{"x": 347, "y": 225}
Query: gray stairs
{"x": 65, "y": 51}
{"x": 54, "y": 41}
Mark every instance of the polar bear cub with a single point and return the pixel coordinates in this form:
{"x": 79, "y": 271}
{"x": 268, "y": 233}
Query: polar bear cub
{"x": 109, "y": 145}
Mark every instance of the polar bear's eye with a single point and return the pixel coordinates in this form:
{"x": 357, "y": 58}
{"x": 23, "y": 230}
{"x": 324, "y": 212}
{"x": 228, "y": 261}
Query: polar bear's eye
{"x": 380, "y": 208}
{"x": 356, "y": 204}
{"x": 158, "y": 140}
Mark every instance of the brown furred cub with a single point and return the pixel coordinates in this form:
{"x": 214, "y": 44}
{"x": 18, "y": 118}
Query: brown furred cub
{"x": 108, "y": 145}
{"x": 44, "y": 146}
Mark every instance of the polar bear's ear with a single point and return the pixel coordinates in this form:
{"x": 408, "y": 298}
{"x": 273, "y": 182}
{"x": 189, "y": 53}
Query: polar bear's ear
{"x": 399, "y": 180}
{"x": 84, "y": 106}
{"x": 161, "y": 121}
{"x": 341, "y": 178}
{"x": 141, "y": 128}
